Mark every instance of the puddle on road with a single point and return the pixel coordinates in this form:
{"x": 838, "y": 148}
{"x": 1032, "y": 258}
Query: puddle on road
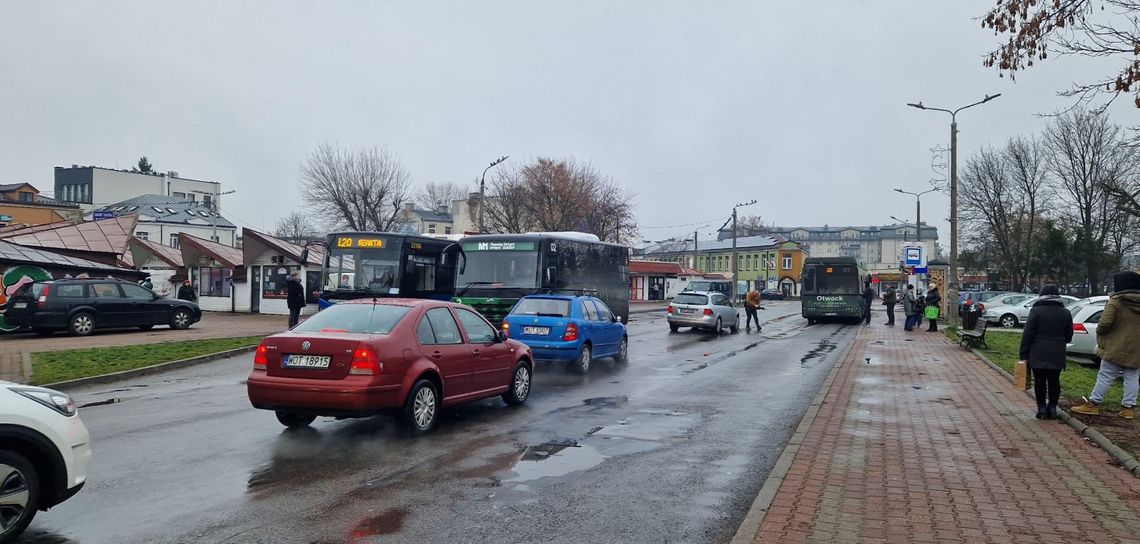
{"x": 113, "y": 400}
{"x": 554, "y": 459}
{"x": 387, "y": 523}
{"x": 606, "y": 401}
{"x": 819, "y": 352}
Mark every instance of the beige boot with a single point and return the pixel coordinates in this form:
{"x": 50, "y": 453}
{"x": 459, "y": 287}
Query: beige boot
{"x": 1128, "y": 412}
{"x": 1086, "y": 407}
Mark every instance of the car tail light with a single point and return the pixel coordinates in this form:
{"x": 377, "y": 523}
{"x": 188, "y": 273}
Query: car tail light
{"x": 43, "y": 296}
{"x": 261, "y": 357}
{"x": 1080, "y": 327}
{"x": 708, "y": 311}
{"x": 571, "y": 333}
{"x": 670, "y": 310}
{"x": 365, "y": 362}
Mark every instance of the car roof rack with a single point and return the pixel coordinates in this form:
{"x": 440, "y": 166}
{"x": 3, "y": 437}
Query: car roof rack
{"x": 576, "y": 292}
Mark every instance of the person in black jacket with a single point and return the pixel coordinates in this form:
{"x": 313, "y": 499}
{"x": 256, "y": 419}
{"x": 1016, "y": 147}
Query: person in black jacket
{"x": 186, "y": 292}
{"x": 868, "y": 297}
{"x": 933, "y": 299}
{"x": 295, "y": 298}
{"x": 1047, "y": 332}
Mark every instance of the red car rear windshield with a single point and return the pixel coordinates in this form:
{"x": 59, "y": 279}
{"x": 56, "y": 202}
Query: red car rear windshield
{"x": 356, "y": 318}
{"x": 550, "y": 307}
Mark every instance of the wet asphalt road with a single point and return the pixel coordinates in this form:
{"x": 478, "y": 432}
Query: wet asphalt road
{"x": 672, "y": 447}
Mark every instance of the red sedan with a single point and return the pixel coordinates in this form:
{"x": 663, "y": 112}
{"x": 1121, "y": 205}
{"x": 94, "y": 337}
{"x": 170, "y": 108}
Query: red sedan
{"x": 364, "y": 357}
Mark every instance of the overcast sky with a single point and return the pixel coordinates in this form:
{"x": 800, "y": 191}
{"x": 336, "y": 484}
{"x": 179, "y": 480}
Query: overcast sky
{"x": 693, "y": 106}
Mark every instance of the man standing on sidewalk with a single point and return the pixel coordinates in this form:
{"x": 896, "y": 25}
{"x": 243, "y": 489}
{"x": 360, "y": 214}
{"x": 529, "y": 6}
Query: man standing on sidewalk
{"x": 910, "y": 308}
{"x": 295, "y": 298}
{"x": 868, "y": 298}
{"x": 890, "y": 298}
{"x": 1117, "y": 347}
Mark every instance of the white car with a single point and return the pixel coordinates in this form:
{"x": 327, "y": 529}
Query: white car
{"x": 1079, "y": 305}
{"x": 1013, "y": 315}
{"x": 44, "y": 451}
{"x": 703, "y": 310}
{"x": 1084, "y": 330}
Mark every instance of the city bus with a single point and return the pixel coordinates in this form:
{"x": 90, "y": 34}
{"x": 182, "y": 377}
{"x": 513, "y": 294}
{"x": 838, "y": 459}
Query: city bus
{"x": 502, "y": 268}
{"x": 831, "y": 289}
{"x": 388, "y": 265}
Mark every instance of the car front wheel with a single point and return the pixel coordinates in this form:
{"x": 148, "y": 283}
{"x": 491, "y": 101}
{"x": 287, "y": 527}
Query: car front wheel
{"x": 19, "y": 494}
{"x": 422, "y": 407}
{"x": 81, "y": 324}
{"x": 519, "y": 389}
{"x": 180, "y": 320}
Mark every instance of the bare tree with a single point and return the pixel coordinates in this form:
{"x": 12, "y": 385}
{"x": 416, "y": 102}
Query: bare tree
{"x": 752, "y": 225}
{"x": 296, "y": 227}
{"x": 361, "y": 189}
{"x": 1070, "y": 27}
{"x": 1088, "y": 157}
{"x": 559, "y": 195}
{"x": 435, "y": 195}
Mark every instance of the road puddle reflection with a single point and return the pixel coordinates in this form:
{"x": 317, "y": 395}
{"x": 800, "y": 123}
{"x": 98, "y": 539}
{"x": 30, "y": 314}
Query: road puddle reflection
{"x": 555, "y": 459}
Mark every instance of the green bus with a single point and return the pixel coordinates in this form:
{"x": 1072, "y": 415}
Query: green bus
{"x": 831, "y": 289}
{"x": 502, "y": 268}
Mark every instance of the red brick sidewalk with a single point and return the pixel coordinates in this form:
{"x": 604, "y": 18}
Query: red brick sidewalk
{"x": 928, "y": 444}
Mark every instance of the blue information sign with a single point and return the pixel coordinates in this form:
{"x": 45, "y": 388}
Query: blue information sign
{"x": 103, "y": 215}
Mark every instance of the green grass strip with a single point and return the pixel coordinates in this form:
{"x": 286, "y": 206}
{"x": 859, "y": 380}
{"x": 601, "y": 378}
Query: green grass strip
{"x": 58, "y": 366}
{"x": 1077, "y": 380}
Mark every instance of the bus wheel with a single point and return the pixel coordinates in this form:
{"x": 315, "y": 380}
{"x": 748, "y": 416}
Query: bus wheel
{"x": 811, "y": 321}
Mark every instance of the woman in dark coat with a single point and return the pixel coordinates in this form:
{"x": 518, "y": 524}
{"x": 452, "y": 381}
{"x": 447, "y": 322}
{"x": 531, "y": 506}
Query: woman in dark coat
{"x": 1047, "y": 332}
{"x": 933, "y": 299}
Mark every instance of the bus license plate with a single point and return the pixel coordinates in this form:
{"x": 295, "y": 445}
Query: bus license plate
{"x": 307, "y": 361}
{"x": 536, "y": 331}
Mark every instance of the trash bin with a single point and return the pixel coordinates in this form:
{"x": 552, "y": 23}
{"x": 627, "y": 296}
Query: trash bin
{"x": 970, "y": 317}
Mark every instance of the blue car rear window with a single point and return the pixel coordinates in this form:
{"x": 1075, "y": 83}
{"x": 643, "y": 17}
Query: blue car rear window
{"x": 548, "y": 307}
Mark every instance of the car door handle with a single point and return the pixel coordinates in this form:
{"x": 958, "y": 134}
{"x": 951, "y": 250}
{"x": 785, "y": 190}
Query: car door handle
{"x": 436, "y": 355}
{"x": 475, "y": 351}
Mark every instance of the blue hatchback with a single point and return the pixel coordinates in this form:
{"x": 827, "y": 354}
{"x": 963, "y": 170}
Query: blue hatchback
{"x": 571, "y": 328}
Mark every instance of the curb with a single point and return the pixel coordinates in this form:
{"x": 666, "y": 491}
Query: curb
{"x": 748, "y": 529}
{"x": 146, "y": 370}
{"x": 1126, "y": 460}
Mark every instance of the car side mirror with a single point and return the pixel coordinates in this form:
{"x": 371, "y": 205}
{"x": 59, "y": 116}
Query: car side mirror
{"x": 617, "y": 318}
{"x": 501, "y": 337}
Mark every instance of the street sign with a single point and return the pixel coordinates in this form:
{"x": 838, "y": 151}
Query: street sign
{"x": 914, "y": 255}
{"x": 102, "y": 215}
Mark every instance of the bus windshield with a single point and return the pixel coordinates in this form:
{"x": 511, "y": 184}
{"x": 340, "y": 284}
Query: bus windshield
{"x": 500, "y": 269}
{"x": 831, "y": 280}
{"x": 371, "y": 270}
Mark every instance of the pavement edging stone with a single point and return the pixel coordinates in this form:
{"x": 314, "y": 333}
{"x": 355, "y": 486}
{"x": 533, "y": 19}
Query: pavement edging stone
{"x": 1126, "y": 460}
{"x": 746, "y": 533}
{"x": 146, "y": 370}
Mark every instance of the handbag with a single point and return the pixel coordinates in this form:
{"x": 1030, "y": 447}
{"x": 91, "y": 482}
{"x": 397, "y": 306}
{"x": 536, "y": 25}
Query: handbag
{"x": 931, "y": 311}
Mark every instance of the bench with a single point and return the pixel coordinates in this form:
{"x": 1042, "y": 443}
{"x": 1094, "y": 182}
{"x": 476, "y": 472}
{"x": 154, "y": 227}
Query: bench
{"x": 974, "y": 338}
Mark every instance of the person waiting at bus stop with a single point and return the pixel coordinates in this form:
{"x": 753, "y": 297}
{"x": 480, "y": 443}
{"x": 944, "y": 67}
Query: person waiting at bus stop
{"x": 295, "y": 297}
{"x": 751, "y": 304}
{"x": 910, "y": 308}
{"x": 867, "y": 298}
{"x": 931, "y": 310}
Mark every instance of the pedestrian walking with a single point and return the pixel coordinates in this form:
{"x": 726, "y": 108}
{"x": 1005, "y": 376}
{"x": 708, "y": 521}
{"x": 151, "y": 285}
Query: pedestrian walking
{"x": 295, "y": 297}
{"x": 186, "y": 292}
{"x": 1047, "y": 332}
{"x": 867, "y": 299}
{"x": 933, "y": 299}
{"x": 910, "y": 308}
{"x": 1117, "y": 347}
{"x": 890, "y": 298}
{"x": 751, "y": 305}
{"x": 147, "y": 283}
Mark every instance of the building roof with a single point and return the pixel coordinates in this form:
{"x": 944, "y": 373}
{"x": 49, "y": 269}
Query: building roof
{"x": 170, "y": 174}
{"x": 229, "y": 256}
{"x": 293, "y": 251}
{"x": 103, "y": 236}
{"x": 169, "y": 209}
{"x": 653, "y": 267}
{"x": 167, "y": 254}
{"x": 9, "y": 187}
{"x": 433, "y": 215}
{"x": 21, "y": 254}
{"x": 686, "y": 271}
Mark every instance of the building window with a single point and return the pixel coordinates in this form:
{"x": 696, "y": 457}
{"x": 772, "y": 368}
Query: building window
{"x": 431, "y": 228}
{"x": 214, "y": 281}
{"x": 207, "y": 201}
{"x": 215, "y": 239}
{"x": 447, "y": 230}
{"x": 174, "y": 241}
{"x": 274, "y": 285}
{"x": 142, "y": 235}
{"x": 26, "y": 196}
{"x": 787, "y": 262}
{"x": 179, "y": 195}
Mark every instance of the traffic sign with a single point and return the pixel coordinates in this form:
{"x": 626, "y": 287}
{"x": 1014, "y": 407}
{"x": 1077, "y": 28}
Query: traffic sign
{"x": 102, "y": 215}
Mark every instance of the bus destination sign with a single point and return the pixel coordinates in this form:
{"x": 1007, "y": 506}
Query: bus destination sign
{"x": 368, "y": 243}
{"x": 499, "y": 246}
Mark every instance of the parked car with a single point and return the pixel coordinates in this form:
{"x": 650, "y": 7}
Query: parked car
{"x": 703, "y": 310}
{"x": 568, "y": 328}
{"x": 983, "y": 298}
{"x": 723, "y": 287}
{"x": 1077, "y": 306}
{"x": 1085, "y": 321}
{"x": 1013, "y": 315}
{"x": 364, "y": 357}
{"x": 772, "y": 294}
{"x": 83, "y": 305}
{"x": 44, "y": 453}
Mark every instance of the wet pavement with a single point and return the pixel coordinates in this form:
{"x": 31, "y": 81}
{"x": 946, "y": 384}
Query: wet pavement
{"x": 672, "y": 447}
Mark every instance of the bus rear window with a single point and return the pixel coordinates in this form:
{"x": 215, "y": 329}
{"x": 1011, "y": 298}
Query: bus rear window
{"x": 550, "y": 307}
{"x": 689, "y": 298}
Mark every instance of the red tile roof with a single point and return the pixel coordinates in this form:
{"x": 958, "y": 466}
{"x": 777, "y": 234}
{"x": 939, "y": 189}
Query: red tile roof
{"x": 653, "y": 267}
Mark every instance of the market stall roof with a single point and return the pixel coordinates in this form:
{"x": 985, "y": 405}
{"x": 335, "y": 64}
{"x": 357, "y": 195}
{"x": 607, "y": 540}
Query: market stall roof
{"x": 192, "y": 246}
{"x": 293, "y": 251}
{"x": 11, "y": 253}
{"x": 166, "y": 254}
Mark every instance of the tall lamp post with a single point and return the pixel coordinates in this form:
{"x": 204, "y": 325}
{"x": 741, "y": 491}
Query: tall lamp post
{"x": 483, "y": 188}
{"x": 917, "y": 210}
{"x": 952, "y": 281}
{"x": 734, "y": 267}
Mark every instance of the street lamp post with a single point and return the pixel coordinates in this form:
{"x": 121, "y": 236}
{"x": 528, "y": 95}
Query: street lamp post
{"x": 917, "y": 210}
{"x": 483, "y": 189}
{"x": 952, "y": 281}
{"x": 733, "y": 259}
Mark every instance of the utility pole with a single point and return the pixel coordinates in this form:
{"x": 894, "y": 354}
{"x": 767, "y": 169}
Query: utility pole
{"x": 483, "y": 190}
{"x": 696, "y": 253}
{"x": 733, "y": 258}
{"x": 214, "y": 216}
